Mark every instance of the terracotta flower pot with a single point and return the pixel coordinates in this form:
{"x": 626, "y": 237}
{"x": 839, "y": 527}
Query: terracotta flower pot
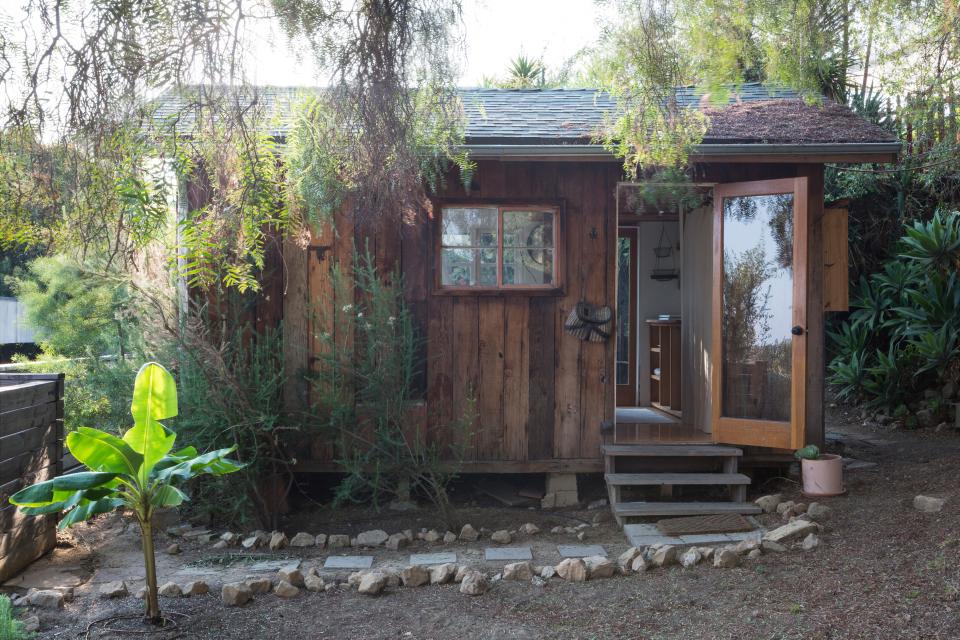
{"x": 822, "y": 477}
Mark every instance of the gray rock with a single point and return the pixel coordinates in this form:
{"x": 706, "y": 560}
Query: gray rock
{"x": 286, "y": 590}
{"x": 443, "y": 573}
{"x": 770, "y": 502}
{"x": 530, "y": 529}
{"x": 396, "y": 542}
{"x": 926, "y": 418}
{"x": 338, "y": 541}
{"x": 111, "y": 590}
{"x": 706, "y": 552}
{"x": 321, "y": 540}
{"x": 462, "y": 570}
{"x": 373, "y": 538}
{"x": 474, "y": 583}
{"x": 303, "y": 539}
{"x": 746, "y": 546}
{"x": 754, "y": 554}
{"x": 819, "y": 512}
{"x": 602, "y": 517}
{"x": 31, "y": 624}
{"x": 928, "y": 504}
{"x": 196, "y": 588}
{"x": 415, "y": 576}
{"x": 313, "y": 582}
{"x": 501, "y": 537}
{"x": 811, "y": 542}
{"x": 291, "y": 575}
{"x": 557, "y": 529}
{"x": 173, "y": 549}
{"x": 726, "y": 559}
{"x": 772, "y": 547}
{"x": 468, "y": 533}
{"x": 784, "y": 507}
{"x": 220, "y": 544}
{"x": 625, "y": 560}
{"x": 690, "y": 557}
{"x": 639, "y": 564}
{"x": 449, "y": 537}
{"x": 372, "y": 583}
{"x": 548, "y": 572}
{"x": 170, "y": 590}
{"x": 518, "y": 571}
{"x": 230, "y": 538}
{"x": 258, "y": 586}
{"x": 572, "y": 570}
{"x": 278, "y": 540}
{"x": 431, "y": 536}
{"x": 599, "y": 567}
{"x": 791, "y": 531}
{"x": 664, "y": 556}
{"x": 45, "y": 598}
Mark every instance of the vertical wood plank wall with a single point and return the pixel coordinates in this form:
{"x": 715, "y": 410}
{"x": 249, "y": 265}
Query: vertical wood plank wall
{"x": 540, "y": 394}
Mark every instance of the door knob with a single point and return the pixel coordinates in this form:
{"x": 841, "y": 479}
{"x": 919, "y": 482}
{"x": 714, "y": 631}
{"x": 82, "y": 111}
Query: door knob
{"x": 797, "y": 330}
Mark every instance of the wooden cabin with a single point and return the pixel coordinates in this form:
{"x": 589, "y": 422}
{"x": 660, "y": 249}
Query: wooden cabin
{"x": 715, "y": 348}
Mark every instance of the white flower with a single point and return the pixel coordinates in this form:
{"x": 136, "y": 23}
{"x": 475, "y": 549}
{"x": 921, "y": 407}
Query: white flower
{"x": 359, "y": 314}
{"x": 347, "y": 308}
{"x": 391, "y": 320}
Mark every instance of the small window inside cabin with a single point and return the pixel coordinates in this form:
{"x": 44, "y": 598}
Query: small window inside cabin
{"x": 498, "y": 248}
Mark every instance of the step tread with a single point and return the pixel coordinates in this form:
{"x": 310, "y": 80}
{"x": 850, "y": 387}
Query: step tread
{"x": 648, "y": 479}
{"x": 683, "y": 508}
{"x": 671, "y": 450}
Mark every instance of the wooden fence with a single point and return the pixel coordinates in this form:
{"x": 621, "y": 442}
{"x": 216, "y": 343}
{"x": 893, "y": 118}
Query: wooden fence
{"x": 31, "y": 450}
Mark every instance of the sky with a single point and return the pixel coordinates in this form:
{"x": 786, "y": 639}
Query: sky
{"x": 495, "y": 32}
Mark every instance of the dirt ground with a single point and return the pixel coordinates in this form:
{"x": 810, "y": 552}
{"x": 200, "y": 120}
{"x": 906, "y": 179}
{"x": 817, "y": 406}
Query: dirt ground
{"x": 883, "y": 570}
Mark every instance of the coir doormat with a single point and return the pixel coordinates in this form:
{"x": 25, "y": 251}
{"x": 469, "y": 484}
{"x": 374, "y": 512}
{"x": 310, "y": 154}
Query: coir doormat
{"x": 719, "y": 523}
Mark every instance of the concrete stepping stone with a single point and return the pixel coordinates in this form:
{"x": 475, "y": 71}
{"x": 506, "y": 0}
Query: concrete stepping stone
{"x": 507, "y": 554}
{"x": 427, "y": 559}
{"x": 644, "y": 535}
{"x": 580, "y": 550}
{"x": 348, "y": 562}
{"x": 269, "y": 565}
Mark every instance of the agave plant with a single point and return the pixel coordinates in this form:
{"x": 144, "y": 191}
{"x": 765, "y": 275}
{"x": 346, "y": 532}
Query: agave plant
{"x": 138, "y": 472}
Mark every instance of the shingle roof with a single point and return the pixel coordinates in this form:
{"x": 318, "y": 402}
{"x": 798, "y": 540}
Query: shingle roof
{"x": 756, "y": 113}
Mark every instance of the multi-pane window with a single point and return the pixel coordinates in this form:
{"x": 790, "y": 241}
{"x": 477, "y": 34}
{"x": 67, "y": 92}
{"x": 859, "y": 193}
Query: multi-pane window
{"x": 498, "y": 247}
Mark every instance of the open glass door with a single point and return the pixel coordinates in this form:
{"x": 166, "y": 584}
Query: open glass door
{"x": 626, "y": 371}
{"x": 759, "y": 312}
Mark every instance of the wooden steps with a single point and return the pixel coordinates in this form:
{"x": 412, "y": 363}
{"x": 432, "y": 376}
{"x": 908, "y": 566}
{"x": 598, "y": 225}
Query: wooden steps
{"x": 670, "y": 450}
{"x": 644, "y": 509}
{"x": 675, "y": 479}
{"x": 711, "y": 466}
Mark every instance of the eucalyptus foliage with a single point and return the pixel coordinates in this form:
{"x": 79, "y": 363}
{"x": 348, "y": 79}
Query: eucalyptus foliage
{"x": 139, "y": 472}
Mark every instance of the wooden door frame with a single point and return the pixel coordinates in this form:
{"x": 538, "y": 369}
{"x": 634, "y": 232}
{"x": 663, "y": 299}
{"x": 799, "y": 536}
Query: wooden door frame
{"x": 627, "y": 394}
{"x": 745, "y": 431}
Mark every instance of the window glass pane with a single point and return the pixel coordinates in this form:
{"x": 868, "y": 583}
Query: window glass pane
{"x": 624, "y": 302}
{"x": 757, "y": 312}
{"x": 528, "y": 229}
{"x": 473, "y": 227}
{"x": 528, "y": 266}
{"x": 468, "y": 267}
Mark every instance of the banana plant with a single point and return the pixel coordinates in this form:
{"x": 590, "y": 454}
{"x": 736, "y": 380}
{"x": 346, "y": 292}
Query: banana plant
{"x": 139, "y": 471}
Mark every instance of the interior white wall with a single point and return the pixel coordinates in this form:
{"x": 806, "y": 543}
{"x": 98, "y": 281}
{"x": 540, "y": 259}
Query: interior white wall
{"x": 654, "y": 297}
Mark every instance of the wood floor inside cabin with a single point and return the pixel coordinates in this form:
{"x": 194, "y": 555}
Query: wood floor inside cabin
{"x": 646, "y": 425}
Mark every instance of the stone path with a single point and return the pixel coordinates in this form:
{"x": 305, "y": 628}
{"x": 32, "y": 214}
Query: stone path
{"x": 507, "y": 554}
{"x": 642, "y": 535}
{"x": 429, "y": 559}
{"x": 581, "y": 550}
{"x": 348, "y": 562}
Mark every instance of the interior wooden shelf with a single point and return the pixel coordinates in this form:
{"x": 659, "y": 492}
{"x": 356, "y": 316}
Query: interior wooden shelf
{"x": 665, "y": 356}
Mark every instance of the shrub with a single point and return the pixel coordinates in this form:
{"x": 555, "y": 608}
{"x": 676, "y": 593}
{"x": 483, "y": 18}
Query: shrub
{"x": 10, "y": 627}
{"x": 367, "y": 396}
{"x": 901, "y": 337}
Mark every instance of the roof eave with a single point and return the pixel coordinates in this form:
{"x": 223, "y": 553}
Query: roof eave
{"x": 851, "y": 152}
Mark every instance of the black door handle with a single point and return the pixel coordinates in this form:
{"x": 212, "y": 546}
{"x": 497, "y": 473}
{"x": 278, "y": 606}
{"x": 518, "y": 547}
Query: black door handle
{"x": 797, "y": 330}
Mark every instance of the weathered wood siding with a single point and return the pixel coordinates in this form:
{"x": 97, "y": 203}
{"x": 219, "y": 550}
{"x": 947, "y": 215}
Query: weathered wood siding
{"x": 31, "y": 437}
{"x": 540, "y": 394}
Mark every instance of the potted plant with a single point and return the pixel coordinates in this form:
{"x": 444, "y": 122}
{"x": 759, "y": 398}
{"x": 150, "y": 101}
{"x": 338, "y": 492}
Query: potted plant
{"x": 821, "y": 473}
{"x": 138, "y": 472}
